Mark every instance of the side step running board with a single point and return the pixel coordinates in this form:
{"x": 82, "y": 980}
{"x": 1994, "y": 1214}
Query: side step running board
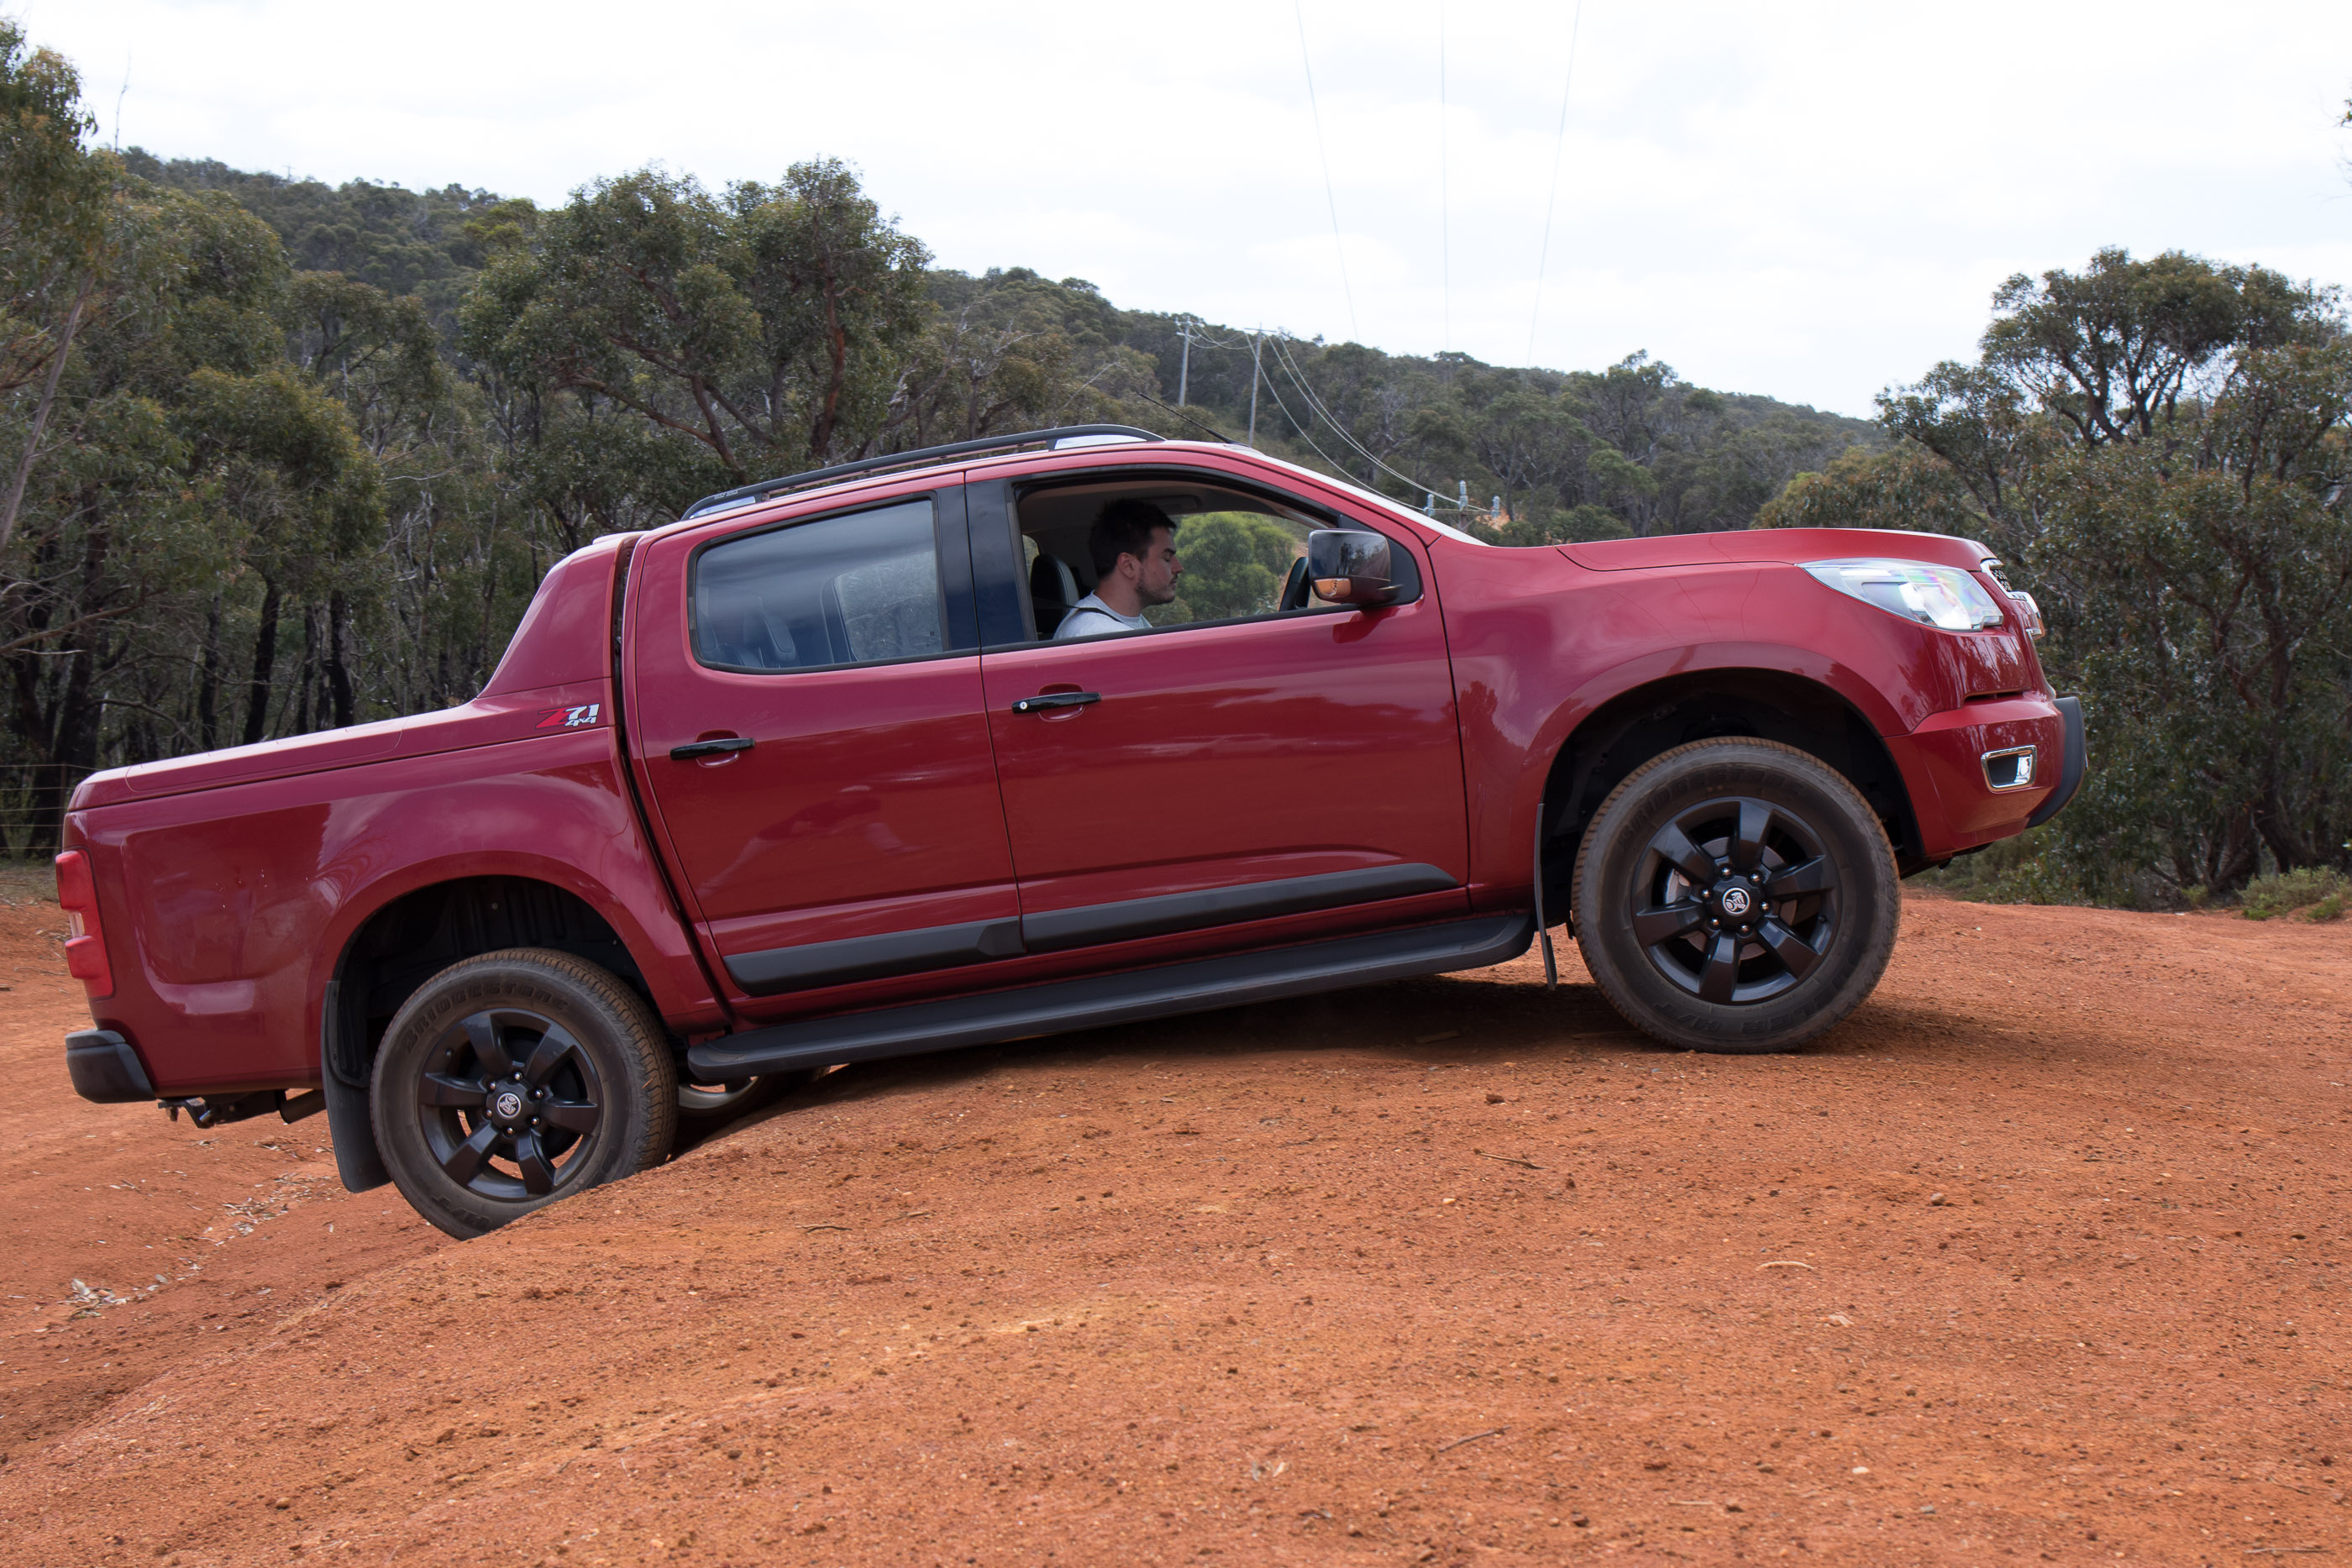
{"x": 1099, "y": 999}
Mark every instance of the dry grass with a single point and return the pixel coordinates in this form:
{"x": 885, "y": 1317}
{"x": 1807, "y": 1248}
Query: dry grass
{"x": 25, "y": 881}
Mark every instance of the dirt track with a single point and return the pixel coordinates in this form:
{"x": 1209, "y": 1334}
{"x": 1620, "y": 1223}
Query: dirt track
{"x": 2038, "y": 1256}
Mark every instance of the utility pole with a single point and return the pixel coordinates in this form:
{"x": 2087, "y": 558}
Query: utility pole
{"x": 1257, "y": 343}
{"x": 1184, "y": 366}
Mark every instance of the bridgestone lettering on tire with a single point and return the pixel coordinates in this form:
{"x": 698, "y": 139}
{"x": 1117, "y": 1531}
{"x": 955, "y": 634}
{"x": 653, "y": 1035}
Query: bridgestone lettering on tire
{"x": 1736, "y": 895}
{"x": 514, "y": 1079}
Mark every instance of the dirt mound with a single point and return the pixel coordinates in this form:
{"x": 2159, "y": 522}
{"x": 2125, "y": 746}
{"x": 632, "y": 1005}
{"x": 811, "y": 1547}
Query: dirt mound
{"x": 2037, "y": 1256}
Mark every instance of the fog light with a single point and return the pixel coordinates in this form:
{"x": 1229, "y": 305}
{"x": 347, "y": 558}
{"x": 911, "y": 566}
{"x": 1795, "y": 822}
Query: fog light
{"x": 2010, "y": 769}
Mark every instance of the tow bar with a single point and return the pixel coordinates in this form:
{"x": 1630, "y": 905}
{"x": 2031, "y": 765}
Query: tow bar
{"x": 209, "y": 1114}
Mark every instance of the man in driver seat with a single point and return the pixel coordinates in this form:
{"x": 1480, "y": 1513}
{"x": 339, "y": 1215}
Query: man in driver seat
{"x": 1133, "y": 545}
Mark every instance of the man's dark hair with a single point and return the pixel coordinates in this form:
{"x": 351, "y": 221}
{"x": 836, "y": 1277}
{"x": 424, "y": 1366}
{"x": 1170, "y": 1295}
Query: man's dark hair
{"x": 1123, "y": 527}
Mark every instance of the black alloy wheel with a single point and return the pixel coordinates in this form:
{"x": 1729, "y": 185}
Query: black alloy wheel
{"x": 510, "y": 1105}
{"x": 1736, "y": 895}
{"x": 1735, "y": 899}
{"x": 512, "y": 1079}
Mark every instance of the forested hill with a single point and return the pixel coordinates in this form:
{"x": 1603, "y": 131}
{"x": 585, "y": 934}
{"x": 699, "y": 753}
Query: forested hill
{"x": 1631, "y": 449}
{"x": 288, "y": 456}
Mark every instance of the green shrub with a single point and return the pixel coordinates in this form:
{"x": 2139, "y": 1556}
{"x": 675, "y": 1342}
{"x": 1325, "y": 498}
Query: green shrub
{"x": 2328, "y": 908}
{"x": 2284, "y": 890}
{"x": 2027, "y": 869}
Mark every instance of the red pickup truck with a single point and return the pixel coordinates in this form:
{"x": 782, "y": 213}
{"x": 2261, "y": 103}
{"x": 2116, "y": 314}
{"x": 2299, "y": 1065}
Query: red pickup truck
{"x": 805, "y": 779}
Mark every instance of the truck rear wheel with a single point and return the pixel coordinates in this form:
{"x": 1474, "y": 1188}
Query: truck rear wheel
{"x": 1736, "y": 895}
{"x": 514, "y": 1079}
{"x": 706, "y": 1108}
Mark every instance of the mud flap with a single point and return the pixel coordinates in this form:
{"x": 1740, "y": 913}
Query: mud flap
{"x": 344, "y": 1079}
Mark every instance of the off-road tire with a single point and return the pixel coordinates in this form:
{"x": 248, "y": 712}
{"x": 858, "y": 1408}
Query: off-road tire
{"x": 1655, "y": 939}
{"x": 512, "y": 1079}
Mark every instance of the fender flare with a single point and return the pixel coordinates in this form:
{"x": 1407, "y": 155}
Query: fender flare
{"x": 1778, "y": 660}
{"x": 357, "y": 1160}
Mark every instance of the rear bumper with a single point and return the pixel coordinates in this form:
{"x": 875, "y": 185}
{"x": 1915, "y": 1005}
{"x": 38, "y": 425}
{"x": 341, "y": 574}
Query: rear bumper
{"x": 105, "y": 1069}
{"x": 1961, "y": 769}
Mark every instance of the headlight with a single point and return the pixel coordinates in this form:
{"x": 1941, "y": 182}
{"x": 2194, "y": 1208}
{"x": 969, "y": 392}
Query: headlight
{"x": 1941, "y": 596}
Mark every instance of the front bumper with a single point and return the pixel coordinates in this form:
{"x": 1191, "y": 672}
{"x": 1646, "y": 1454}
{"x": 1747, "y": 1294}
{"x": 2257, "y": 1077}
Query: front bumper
{"x": 2071, "y": 768}
{"x": 1963, "y": 770}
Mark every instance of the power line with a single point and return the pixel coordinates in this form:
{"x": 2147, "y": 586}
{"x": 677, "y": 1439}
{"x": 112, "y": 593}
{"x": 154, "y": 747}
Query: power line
{"x": 1316, "y": 406}
{"x": 1305, "y": 428}
{"x": 1325, "y": 153}
{"x": 1444, "y": 195}
{"x": 1559, "y": 145}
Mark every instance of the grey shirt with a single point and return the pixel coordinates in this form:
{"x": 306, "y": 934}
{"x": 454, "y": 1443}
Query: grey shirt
{"x": 1090, "y": 617}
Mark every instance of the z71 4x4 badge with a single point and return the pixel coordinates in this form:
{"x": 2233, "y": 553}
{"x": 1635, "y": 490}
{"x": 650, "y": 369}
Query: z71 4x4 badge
{"x": 569, "y": 717}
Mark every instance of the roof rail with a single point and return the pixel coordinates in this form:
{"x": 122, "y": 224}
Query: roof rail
{"x": 768, "y": 487}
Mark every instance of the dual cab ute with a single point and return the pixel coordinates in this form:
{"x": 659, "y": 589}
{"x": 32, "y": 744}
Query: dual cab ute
{"x": 804, "y": 778}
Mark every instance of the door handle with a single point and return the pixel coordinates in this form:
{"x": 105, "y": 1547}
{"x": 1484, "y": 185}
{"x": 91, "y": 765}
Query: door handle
{"x": 1052, "y": 700}
{"x": 693, "y": 750}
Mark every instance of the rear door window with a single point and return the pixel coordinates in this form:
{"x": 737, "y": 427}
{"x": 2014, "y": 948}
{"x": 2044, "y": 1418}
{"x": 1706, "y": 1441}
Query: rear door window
{"x": 859, "y": 589}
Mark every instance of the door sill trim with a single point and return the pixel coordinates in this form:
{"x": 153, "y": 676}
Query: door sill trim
{"x": 1092, "y": 925}
{"x": 1200, "y": 986}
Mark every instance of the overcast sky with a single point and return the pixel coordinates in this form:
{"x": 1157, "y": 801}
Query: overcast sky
{"x": 1811, "y": 201}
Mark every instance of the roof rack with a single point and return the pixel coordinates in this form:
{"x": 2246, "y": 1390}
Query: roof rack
{"x": 768, "y": 487}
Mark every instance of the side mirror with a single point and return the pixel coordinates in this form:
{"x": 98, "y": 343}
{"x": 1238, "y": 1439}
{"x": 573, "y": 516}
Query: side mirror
{"x": 1349, "y": 566}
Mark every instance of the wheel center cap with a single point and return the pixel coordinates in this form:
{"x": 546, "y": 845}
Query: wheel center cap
{"x": 507, "y": 1106}
{"x": 1737, "y": 902}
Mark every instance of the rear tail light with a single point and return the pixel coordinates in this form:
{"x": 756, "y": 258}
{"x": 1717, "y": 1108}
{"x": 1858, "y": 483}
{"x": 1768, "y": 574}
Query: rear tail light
{"x": 86, "y": 939}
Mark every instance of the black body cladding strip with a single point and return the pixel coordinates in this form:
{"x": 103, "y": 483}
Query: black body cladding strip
{"x": 817, "y": 964}
{"x": 1198, "y": 986}
{"x": 838, "y": 963}
{"x": 1131, "y": 919}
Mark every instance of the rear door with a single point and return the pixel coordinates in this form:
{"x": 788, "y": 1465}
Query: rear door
{"x": 806, "y": 699}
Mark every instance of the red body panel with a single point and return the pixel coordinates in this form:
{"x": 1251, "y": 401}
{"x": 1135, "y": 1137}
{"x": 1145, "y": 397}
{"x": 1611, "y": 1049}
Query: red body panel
{"x": 1537, "y": 652}
{"x": 889, "y": 798}
{"x": 867, "y": 805}
{"x": 1231, "y": 754}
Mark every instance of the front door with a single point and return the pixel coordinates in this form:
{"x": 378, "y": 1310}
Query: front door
{"x": 1259, "y": 763}
{"x": 806, "y": 700}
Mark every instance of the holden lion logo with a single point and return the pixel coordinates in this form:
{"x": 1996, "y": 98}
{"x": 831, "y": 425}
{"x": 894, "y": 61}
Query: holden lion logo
{"x": 1735, "y": 901}
{"x": 510, "y": 1105}
{"x": 569, "y": 717}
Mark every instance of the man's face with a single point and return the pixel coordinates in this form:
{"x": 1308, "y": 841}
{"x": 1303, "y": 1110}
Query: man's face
{"x": 1158, "y": 570}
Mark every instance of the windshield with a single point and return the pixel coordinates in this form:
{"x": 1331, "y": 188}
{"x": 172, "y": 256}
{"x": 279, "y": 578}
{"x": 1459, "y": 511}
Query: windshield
{"x": 1395, "y": 507}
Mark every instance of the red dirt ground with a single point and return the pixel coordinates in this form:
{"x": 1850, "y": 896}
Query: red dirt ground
{"x": 2036, "y": 1257}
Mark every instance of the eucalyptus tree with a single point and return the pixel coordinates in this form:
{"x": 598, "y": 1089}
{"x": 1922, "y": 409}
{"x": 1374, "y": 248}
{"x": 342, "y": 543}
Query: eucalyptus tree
{"x": 54, "y": 196}
{"x": 758, "y": 329}
{"x": 2162, "y": 448}
{"x": 194, "y": 486}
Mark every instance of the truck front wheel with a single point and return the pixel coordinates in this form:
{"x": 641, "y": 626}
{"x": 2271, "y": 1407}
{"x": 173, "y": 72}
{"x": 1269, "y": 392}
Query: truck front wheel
{"x": 1736, "y": 895}
{"x": 514, "y": 1079}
